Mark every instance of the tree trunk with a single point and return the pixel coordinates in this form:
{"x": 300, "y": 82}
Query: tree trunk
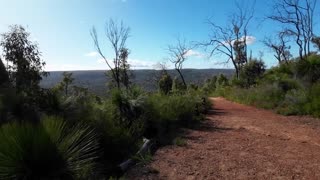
{"x": 4, "y": 76}
{"x": 182, "y": 78}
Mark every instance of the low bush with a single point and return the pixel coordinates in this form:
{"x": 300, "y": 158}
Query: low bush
{"x": 166, "y": 114}
{"x": 251, "y": 72}
{"x": 289, "y": 89}
{"x": 293, "y": 103}
{"x": 165, "y": 84}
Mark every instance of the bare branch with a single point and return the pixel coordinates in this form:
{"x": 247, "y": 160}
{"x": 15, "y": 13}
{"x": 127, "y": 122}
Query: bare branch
{"x": 117, "y": 34}
{"x": 178, "y": 55}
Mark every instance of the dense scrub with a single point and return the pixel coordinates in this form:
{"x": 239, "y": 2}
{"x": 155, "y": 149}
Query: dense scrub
{"x": 289, "y": 89}
{"x": 66, "y": 132}
{"x": 109, "y": 130}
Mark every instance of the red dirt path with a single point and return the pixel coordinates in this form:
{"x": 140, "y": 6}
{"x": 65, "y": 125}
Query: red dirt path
{"x": 241, "y": 142}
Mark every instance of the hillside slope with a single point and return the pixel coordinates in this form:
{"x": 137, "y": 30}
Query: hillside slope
{"x": 96, "y": 80}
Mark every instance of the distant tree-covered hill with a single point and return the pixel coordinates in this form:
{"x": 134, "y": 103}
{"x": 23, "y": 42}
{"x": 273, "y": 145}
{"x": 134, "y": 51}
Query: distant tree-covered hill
{"x": 96, "y": 80}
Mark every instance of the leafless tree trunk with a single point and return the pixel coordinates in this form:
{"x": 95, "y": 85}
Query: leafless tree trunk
{"x": 117, "y": 35}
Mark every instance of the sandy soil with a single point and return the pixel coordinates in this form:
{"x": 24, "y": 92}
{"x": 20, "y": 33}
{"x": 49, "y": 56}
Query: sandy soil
{"x": 241, "y": 142}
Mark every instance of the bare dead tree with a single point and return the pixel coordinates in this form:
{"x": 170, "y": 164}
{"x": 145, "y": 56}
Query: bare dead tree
{"x": 297, "y": 16}
{"x": 280, "y": 48}
{"x": 178, "y": 55}
{"x": 117, "y": 34}
{"x": 231, "y": 40}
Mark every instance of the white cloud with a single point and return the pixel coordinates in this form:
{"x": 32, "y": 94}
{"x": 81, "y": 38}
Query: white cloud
{"x": 249, "y": 39}
{"x": 194, "y": 54}
{"x": 91, "y": 54}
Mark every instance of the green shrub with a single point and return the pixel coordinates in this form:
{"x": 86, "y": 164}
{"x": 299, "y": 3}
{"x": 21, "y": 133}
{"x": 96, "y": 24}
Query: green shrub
{"x": 165, "y": 114}
{"x": 287, "y": 84}
{"x": 222, "y": 81}
{"x": 179, "y": 141}
{"x": 251, "y": 72}
{"x": 313, "y": 104}
{"x": 178, "y": 86}
{"x": 117, "y": 140}
{"x": 309, "y": 69}
{"x": 50, "y": 150}
{"x": 210, "y": 85}
{"x": 165, "y": 84}
{"x": 293, "y": 103}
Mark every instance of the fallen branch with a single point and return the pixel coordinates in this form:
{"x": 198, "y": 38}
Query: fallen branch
{"x": 142, "y": 151}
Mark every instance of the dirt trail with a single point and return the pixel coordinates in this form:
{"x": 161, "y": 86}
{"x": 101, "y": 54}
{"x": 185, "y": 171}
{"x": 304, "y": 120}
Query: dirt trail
{"x": 241, "y": 142}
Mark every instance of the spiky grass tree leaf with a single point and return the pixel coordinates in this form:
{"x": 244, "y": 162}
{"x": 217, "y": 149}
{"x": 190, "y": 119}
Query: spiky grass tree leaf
{"x": 51, "y": 150}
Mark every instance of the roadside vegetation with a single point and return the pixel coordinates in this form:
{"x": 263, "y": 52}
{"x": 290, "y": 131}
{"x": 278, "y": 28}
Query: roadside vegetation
{"x": 67, "y": 132}
{"x": 290, "y": 89}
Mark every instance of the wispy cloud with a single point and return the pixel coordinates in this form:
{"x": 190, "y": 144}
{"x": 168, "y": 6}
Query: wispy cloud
{"x": 134, "y": 63}
{"x": 140, "y": 64}
{"x": 91, "y": 54}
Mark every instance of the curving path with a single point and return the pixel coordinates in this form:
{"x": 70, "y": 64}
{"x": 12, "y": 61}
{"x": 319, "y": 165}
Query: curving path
{"x": 241, "y": 142}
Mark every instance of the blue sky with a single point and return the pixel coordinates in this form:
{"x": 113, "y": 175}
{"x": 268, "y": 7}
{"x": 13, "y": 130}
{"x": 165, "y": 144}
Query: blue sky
{"x": 62, "y": 28}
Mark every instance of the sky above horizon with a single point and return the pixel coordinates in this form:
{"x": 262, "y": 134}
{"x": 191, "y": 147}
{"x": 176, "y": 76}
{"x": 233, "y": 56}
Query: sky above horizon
{"x": 62, "y": 29}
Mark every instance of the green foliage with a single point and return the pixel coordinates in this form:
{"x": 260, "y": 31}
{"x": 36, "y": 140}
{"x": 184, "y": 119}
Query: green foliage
{"x": 64, "y": 85}
{"x": 129, "y": 105}
{"x": 50, "y": 150}
{"x": 124, "y": 67}
{"x": 251, "y": 72}
{"x": 166, "y": 114}
{"x": 178, "y": 86}
{"x": 68, "y": 133}
{"x": 210, "y": 85}
{"x": 179, "y": 141}
{"x": 309, "y": 69}
{"x": 165, "y": 84}
{"x": 193, "y": 87}
{"x": 143, "y": 159}
{"x": 289, "y": 89}
{"x": 312, "y": 105}
{"x": 26, "y": 70}
{"x": 293, "y": 103}
{"x": 222, "y": 81}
